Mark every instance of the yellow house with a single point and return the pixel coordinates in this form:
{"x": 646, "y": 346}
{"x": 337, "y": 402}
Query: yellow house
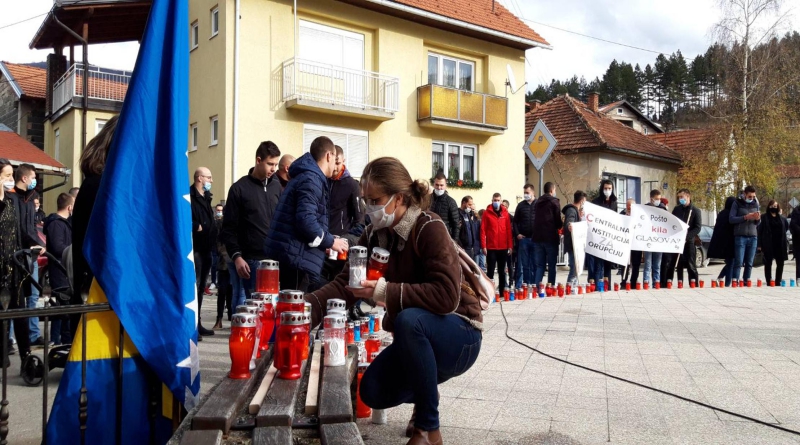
{"x": 422, "y": 80}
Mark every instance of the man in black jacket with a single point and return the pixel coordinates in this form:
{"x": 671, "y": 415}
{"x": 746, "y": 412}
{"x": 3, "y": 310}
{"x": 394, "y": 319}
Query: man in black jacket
{"x": 58, "y": 230}
{"x": 469, "y": 237}
{"x": 344, "y": 210}
{"x": 523, "y": 228}
{"x": 25, "y": 191}
{"x": 445, "y": 206}
{"x": 247, "y": 216}
{"x": 545, "y": 237}
{"x": 572, "y": 213}
{"x": 202, "y": 234}
{"x": 689, "y": 214}
{"x": 599, "y": 268}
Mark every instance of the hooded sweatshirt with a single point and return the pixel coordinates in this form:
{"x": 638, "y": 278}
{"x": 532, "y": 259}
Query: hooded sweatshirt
{"x": 571, "y": 215}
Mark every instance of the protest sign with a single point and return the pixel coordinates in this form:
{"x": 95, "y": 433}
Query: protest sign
{"x": 608, "y": 235}
{"x": 656, "y": 230}
{"x": 578, "y": 233}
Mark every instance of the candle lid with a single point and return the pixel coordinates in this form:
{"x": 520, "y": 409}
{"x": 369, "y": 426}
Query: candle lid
{"x": 247, "y": 309}
{"x": 336, "y": 303}
{"x": 259, "y": 303}
{"x": 380, "y": 255}
{"x": 350, "y": 325}
{"x": 364, "y": 319}
{"x": 294, "y": 319}
{"x": 386, "y": 341}
{"x": 374, "y": 337}
{"x": 356, "y": 322}
{"x": 334, "y": 322}
{"x": 268, "y": 264}
{"x": 265, "y": 297}
{"x": 341, "y": 312}
{"x": 290, "y": 296}
{"x": 357, "y": 252}
{"x": 241, "y": 320}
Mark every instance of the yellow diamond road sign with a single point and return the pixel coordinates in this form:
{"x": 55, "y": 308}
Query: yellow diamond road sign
{"x": 539, "y": 145}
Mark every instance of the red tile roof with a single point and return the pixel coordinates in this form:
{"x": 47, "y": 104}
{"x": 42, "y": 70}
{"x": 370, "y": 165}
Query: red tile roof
{"x": 479, "y": 12}
{"x": 687, "y": 142}
{"x": 31, "y": 80}
{"x": 577, "y": 128}
{"x": 607, "y": 107}
{"x": 19, "y": 151}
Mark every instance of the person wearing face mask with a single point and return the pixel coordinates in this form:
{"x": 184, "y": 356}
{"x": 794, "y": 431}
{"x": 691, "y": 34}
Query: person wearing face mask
{"x": 39, "y": 216}
{"x": 299, "y": 234}
{"x": 632, "y": 271}
{"x": 436, "y": 321}
{"x": 688, "y": 213}
{"x": 572, "y": 213}
{"x": 345, "y": 211}
{"x": 524, "y": 216}
{"x": 597, "y": 267}
{"x": 745, "y": 217}
{"x": 58, "y": 229}
{"x": 546, "y": 237}
{"x": 652, "y": 260}
{"x": 11, "y": 240}
{"x": 444, "y": 205}
{"x": 721, "y": 245}
{"x": 214, "y": 251}
{"x": 469, "y": 237}
{"x": 497, "y": 239}
{"x": 203, "y": 234}
{"x": 772, "y": 241}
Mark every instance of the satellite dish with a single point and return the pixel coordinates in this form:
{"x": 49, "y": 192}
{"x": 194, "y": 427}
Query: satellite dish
{"x": 512, "y": 81}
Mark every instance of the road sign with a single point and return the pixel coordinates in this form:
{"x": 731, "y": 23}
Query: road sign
{"x": 794, "y": 202}
{"x": 539, "y": 145}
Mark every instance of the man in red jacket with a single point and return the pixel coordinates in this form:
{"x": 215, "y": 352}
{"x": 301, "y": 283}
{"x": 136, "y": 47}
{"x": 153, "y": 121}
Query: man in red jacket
{"x": 496, "y": 238}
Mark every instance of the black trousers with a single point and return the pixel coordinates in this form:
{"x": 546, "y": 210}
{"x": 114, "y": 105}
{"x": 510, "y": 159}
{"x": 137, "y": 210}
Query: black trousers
{"x": 497, "y": 258}
{"x": 633, "y": 269}
{"x": 768, "y": 259}
{"x": 21, "y": 329}
{"x": 224, "y": 293}
{"x": 202, "y": 266}
{"x": 295, "y": 279}
{"x": 688, "y": 260}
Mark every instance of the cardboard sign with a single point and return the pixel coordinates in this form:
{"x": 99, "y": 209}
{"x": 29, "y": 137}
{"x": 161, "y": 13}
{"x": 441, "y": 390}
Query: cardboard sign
{"x": 579, "y": 233}
{"x": 608, "y": 235}
{"x": 656, "y": 230}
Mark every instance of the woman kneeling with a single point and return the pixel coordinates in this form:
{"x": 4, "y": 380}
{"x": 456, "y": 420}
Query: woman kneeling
{"x": 434, "y": 316}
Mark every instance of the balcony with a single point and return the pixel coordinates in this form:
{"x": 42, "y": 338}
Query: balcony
{"x": 104, "y": 85}
{"x": 444, "y": 107}
{"x": 339, "y": 90}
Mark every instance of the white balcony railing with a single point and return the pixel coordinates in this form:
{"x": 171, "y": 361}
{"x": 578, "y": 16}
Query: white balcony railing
{"x": 103, "y": 84}
{"x": 336, "y": 85}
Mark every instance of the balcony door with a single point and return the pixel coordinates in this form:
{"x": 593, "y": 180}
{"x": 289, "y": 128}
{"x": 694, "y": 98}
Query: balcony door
{"x": 331, "y": 65}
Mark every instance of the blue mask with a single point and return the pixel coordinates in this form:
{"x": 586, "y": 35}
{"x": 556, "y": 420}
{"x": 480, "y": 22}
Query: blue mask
{"x": 207, "y": 186}
{"x": 749, "y": 201}
{"x": 496, "y": 205}
{"x": 32, "y": 185}
{"x": 682, "y": 202}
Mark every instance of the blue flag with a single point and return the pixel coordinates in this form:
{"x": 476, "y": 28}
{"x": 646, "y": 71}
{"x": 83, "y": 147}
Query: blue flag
{"x": 139, "y": 247}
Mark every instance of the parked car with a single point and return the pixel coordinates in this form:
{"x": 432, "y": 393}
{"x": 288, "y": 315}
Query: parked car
{"x": 701, "y": 243}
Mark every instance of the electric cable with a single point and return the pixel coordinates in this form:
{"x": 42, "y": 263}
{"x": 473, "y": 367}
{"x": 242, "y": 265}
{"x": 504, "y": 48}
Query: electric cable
{"x": 660, "y": 391}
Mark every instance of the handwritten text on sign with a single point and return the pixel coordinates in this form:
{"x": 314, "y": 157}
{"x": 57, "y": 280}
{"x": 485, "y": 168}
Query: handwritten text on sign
{"x": 609, "y": 235}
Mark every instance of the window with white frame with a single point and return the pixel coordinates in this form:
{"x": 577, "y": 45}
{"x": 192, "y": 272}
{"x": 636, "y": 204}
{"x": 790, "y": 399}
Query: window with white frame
{"x": 354, "y": 143}
{"x": 214, "y": 131}
{"x": 193, "y": 137}
{"x": 456, "y": 161}
{"x": 451, "y": 72}
{"x": 619, "y": 111}
{"x": 57, "y": 145}
{"x": 332, "y": 46}
{"x": 194, "y": 36}
{"x": 215, "y": 21}
{"x": 98, "y": 125}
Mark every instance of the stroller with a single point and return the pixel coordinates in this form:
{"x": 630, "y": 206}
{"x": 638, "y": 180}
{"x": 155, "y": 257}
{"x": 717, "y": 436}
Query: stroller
{"x": 33, "y": 367}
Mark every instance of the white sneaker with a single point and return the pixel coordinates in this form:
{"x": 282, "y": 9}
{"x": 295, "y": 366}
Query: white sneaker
{"x": 212, "y": 286}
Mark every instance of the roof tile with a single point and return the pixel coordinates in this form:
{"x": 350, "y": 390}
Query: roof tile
{"x": 686, "y": 142}
{"x": 18, "y": 151}
{"x": 31, "y": 80}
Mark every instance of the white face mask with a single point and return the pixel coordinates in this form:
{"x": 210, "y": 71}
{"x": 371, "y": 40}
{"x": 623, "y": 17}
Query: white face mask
{"x": 468, "y": 210}
{"x": 377, "y": 214}
{"x": 607, "y": 193}
{"x": 8, "y": 185}
{"x": 439, "y": 192}
{"x": 656, "y": 202}
{"x": 527, "y": 196}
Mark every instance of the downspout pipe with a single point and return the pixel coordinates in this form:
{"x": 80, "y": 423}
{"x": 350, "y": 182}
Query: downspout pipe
{"x": 235, "y": 91}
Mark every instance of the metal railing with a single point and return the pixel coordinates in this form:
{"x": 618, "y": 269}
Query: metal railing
{"x": 461, "y": 106}
{"x": 103, "y": 84}
{"x": 337, "y": 85}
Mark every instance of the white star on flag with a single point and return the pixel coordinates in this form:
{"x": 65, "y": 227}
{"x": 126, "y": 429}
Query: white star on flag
{"x": 191, "y": 399}
{"x": 187, "y": 198}
{"x": 192, "y": 361}
{"x": 192, "y": 306}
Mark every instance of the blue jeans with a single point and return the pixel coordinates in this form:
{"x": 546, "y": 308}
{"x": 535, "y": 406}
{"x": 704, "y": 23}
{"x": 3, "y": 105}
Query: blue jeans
{"x": 214, "y": 259}
{"x": 727, "y": 271}
{"x": 652, "y": 267}
{"x": 573, "y": 274}
{"x": 33, "y": 322}
{"x": 528, "y": 261}
{"x": 480, "y": 258}
{"x": 241, "y": 287}
{"x": 546, "y": 254}
{"x": 598, "y": 268}
{"x": 745, "y": 249}
{"x": 428, "y": 349}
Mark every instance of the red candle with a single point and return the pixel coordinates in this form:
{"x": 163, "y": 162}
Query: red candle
{"x": 372, "y": 344}
{"x": 364, "y": 328}
{"x": 497, "y": 296}
{"x": 691, "y": 284}
{"x": 669, "y": 284}
{"x": 734, "y": 283}
{"x": 616, "y": 287}
{"x": 289, "y": 301}
{"x": 362, "y": 410}
{"x": 657, "y": 285}
{"x": 680, "y": 284}
{"x": 289, "y": 343}
{"x": 267, "y": 316}
{"x": 561, "y": 291}
{"x": 750, "y": 283}
{"x": 267, "y": 277}
{"x": 702, "y": 283}
{"x": 349, "y": 334}
{"x": 646, "y": 286}
{"x": 771, "y": 283}
{"x": 241, "y": 344}
{"x": 250, "y": 307}
{"x": 628, "y": 286}
{"x": 506, "y": 295}
{"x": 720, "y": 283}
{"x": 713, "y": 283}
{"x": 378, "y": 263}
{"x": 569, "y": 289}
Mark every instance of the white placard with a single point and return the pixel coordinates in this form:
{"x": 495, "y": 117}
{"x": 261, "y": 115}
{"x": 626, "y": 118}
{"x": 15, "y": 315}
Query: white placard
{"x": 608, "y": 235}
{"x": 578, "y": 233}
{"x": 656, "y": 230}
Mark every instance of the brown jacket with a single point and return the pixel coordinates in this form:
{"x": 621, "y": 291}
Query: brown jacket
{"x": 428, "y": 277}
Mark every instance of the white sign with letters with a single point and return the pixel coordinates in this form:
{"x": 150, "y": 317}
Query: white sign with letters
{"x": 656, "y": 230}
{"x": 579, "y": 233}
{"x": 608, "y": 235}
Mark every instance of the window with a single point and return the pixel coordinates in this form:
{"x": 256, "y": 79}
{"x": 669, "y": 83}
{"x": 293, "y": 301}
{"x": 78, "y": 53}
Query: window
{"x": 332, "y": 46}
{"x": 625, "y": 187}
{"x": 619, "y": 111}
{"x": 459, "y": 161}
{"x": 57, "y": 145}
{"x": 214, "y": 131}
{"x": 193, "y": 137}
{"x": 194, "y": 35}
{"x": 355, "y": 144}
{"x": 646, "y": 130}
{"x": 451, "y": 72}
{"x": 215, "y": 21}
{"x": 98, "y": 125}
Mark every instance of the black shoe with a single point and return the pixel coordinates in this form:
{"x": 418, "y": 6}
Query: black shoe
{"x": 39, "y": 343}
{"x": 203, "y": 331}
{"x": 199, "y": 338}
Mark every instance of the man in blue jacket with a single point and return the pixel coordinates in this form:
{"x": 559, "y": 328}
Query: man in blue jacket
{"x": 298, "y": 235}
{"x": 745, "y": 216}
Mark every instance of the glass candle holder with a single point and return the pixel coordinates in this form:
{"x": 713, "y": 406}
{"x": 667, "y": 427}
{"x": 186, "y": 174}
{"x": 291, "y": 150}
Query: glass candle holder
{"x": 358, "y": 266}
{"x": 267, "y": 277}
{"x": 252, "y": 309}
{"x": 289, "y": 301}
{"x": 349, "y": 334}
{"x": 372, "y": 344}
{"x": 357, "y": 331}
{"x": 289, "y": 342}
{"x": 378, "y": 262}
{"x": 362, "y": 410}
{"x": 258, "y": 303}
{"x": 241, "y": 344}
{"x": 364, "y": 327}
{"x": 335, "y": 304}
{"x": 378, "y": 321}
{"x": 267, "y": 316}
{"x": 386, "y": 340}
{"x": 334, "y": 340}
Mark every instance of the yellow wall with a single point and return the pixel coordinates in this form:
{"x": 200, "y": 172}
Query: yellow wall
{"x": 393, "y": 47}
{"x": 69, "y": 127}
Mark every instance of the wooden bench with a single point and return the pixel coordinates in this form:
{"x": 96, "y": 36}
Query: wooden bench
{"x": 279, "y": 406}
{"x": 340, "y": 434}
{"x": 272, "y": 435}
{"x": 335, "y": 401}
{"x": 228, "y": 398}
{"x": 205, "y": 437}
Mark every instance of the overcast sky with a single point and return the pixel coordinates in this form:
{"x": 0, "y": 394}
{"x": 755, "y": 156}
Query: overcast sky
{"x": 658, "y": 25}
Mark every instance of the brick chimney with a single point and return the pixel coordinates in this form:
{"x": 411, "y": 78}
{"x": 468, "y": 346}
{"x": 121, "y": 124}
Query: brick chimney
{"x": 593, "y": 101}
{"x": 536, "y": 104}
